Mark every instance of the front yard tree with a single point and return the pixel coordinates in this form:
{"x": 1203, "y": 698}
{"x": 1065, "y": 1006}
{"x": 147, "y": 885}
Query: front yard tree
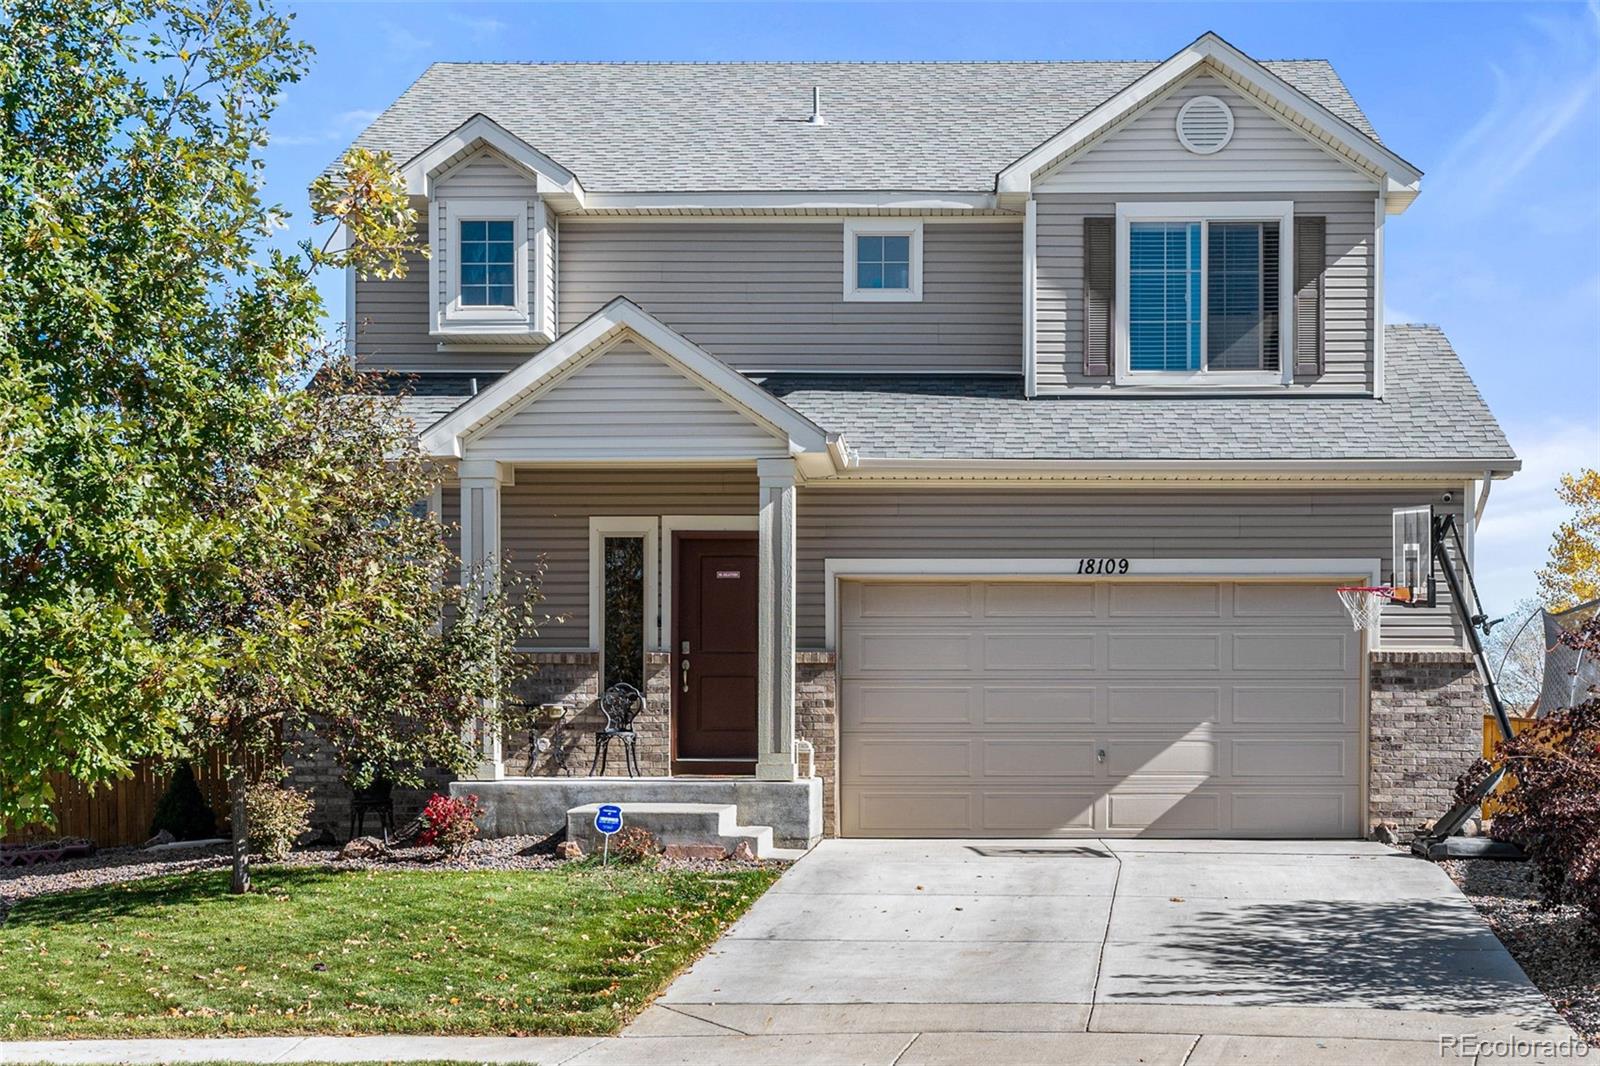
{"x": 192, "y": 545}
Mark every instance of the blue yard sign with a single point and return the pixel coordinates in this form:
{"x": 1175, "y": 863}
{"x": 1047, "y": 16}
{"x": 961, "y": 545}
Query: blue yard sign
{"x": 608, "y": 819}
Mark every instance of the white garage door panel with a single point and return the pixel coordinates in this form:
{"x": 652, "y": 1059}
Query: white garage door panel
{"x": 1035, "y": 708}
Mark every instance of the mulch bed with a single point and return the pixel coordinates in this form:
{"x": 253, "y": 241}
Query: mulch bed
{"x": 116, "y": 865}
{"x": 1557, "y": 947}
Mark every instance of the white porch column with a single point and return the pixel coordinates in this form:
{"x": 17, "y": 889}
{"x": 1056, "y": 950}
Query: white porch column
{"x": 481, "y": 481}
{"x": 775, "y": 616}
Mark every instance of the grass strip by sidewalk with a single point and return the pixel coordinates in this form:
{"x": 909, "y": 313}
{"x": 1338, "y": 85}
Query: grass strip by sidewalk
{"x": 576, "y": 950}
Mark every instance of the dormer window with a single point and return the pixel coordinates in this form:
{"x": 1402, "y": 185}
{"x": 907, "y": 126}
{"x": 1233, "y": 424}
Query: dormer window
{"x": 1201, "y": 288}
{"x": 488, "y": 262}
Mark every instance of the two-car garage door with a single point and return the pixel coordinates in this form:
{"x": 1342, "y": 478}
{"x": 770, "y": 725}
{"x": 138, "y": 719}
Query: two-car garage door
{"x": 1016, "y": 708}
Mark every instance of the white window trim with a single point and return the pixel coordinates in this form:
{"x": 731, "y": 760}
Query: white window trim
{"x": 601, "y": 527}
{"x": 692, "y": 523}
{"x": 882, "y": 227}
{"x": 1279, "y": 211}
{"x": 451, "y": 317}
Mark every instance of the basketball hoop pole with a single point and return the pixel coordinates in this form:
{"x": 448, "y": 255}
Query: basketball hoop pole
{"x": 1471, "y": 617}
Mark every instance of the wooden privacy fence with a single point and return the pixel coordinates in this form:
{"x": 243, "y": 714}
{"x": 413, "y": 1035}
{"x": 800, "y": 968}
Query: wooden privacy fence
{"x": 120, "y": 813}
{"x": 1491, "y": 737}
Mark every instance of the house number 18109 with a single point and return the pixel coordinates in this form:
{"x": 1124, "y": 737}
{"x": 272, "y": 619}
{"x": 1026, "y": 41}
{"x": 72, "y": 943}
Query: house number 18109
{"x": 1102, "y": 566}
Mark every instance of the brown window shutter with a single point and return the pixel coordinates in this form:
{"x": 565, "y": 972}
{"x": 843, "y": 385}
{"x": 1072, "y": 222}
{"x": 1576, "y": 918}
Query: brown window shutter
{"x": 1099, "y": 292}
{"x": 1310, "y": 266}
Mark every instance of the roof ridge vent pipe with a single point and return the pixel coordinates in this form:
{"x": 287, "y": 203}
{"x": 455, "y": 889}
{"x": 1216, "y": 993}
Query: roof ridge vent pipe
{"x": 816, "y": 118}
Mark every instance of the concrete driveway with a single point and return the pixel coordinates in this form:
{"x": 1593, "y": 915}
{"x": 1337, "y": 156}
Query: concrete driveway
{"x": 1181, "y": 952}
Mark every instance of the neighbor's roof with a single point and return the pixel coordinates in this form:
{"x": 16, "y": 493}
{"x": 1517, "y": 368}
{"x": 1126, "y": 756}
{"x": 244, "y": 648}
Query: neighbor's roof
{"x": 718, "y": 127}
{"x": 1430, "y": 410}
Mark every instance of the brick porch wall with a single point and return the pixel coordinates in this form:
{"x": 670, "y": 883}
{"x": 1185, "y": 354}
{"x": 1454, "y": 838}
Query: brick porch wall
{"x": 816, "y": 718}
{"x": 1425, "y": 723}
{"x": 572, "y": 679}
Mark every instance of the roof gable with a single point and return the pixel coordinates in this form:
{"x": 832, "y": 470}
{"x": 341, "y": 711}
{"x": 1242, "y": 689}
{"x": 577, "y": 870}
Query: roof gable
{"x": 776, "y": 424}
{"x": 1264, "y": 152}
{"x": 1244, "y": 74}
{"x": 447, "y": 153}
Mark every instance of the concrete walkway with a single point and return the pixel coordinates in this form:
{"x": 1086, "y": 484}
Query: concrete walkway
{"x": 1155, "y": 952}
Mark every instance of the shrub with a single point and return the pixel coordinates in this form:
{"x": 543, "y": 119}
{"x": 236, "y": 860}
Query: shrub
{"x": 450, "y": 824}
{"x": 277, "y": 814}
{"x": 633, "y": 844}
{"x": 183, "y": 810}
{"x": 1553, "y": 810}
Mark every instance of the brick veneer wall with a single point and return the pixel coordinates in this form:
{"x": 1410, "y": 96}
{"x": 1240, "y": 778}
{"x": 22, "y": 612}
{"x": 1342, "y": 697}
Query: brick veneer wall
{"x": 816, "y": 703}
{"x": 311, "y": 767}
{"x": 572, "y": 679}
{"x": 1425, "y": 723}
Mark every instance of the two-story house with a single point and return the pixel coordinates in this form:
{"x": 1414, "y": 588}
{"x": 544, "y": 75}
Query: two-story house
{"x": 945, "y": 449}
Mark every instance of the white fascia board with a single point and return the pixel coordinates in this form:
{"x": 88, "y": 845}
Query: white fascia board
{"x": 444, "y": 438}
{"x": 552, "y": 179}
{"x": 1018, "y": 177}
{"x": 887, "y": 200}
{"x": 1363, "y": 568}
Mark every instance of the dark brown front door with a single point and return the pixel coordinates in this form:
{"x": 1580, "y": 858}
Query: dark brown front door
{"x": 714, "y": 653}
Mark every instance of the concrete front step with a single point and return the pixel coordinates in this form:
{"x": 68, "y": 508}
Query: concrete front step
{"x": 676, "y": 824}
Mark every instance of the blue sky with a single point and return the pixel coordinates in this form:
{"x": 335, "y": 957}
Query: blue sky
{"x": 1499, "y": 104}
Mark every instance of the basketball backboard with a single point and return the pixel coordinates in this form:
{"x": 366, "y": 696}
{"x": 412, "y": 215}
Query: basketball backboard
{"x": 1413, "y": 556}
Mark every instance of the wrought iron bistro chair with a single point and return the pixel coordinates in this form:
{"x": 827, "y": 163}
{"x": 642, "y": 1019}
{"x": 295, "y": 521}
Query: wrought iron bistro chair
{"x": 621, "y": 704}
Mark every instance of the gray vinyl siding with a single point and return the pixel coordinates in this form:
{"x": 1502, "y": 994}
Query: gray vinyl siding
{"x": 626, "y": 403}
{"x": 770, "y": 296}
{"x": 1039, "y": 523}
{"x": 391, "y": 322}
{"x": 545, "y": 516}
{"x": 1348, "y": 284}
{"x": 1143, "y": 154}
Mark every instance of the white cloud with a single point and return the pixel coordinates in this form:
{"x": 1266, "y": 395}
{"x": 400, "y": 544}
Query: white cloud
{"x": 1523, "y": 513}
{"x": 482, "y": 28}
{"x": 400, "y": 41}
{"x": 1540, "y": 89}
{"x": 340, "y": 127}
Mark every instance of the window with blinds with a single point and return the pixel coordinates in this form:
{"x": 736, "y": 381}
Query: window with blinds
{"x": 1203, "y": 294}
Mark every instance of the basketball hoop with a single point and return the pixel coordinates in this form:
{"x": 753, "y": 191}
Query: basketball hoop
{"x": 1365, "y": 604}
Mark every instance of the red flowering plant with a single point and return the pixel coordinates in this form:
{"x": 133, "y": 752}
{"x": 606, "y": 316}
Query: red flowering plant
{"x": 450, "y": 824}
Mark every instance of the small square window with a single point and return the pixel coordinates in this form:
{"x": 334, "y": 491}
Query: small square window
{"x": 883, "y": 263}
{"x": 883, "y": 260}
{"x": 488, "y": 263}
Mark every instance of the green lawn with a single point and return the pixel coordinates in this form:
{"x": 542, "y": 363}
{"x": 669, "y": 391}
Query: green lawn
{"x": 572, "y": 950}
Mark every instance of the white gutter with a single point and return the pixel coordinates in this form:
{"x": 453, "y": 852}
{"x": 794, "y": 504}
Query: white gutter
{"x": 1265, "y": 467}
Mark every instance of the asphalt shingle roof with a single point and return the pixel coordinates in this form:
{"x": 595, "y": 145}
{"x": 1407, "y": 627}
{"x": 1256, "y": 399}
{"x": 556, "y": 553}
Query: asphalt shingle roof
{"x": 707, "y": 127}
{"x": 1431, "y": 410}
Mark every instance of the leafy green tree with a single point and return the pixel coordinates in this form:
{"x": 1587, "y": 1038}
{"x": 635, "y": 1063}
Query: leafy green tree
{"x": 193, "y": 547}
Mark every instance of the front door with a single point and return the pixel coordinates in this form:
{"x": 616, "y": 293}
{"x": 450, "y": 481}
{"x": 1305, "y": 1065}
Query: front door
{"x": 714, "y": 653}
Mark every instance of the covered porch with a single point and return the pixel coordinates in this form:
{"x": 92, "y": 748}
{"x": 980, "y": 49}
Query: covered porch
{"x": 656, "y": 489}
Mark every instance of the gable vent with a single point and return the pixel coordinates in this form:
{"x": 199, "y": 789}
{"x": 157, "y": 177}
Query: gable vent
{"x": 1205, "y": 125}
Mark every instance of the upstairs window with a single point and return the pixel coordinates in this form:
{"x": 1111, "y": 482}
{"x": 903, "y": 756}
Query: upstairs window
{"x": 882, "y": 260}
{"x": 1202, "y": 294}
{"x": 488, "y": 262}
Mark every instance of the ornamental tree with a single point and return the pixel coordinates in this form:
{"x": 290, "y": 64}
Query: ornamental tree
{"x": 194, "y": 548}
{"x": 1572, "y": 575}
